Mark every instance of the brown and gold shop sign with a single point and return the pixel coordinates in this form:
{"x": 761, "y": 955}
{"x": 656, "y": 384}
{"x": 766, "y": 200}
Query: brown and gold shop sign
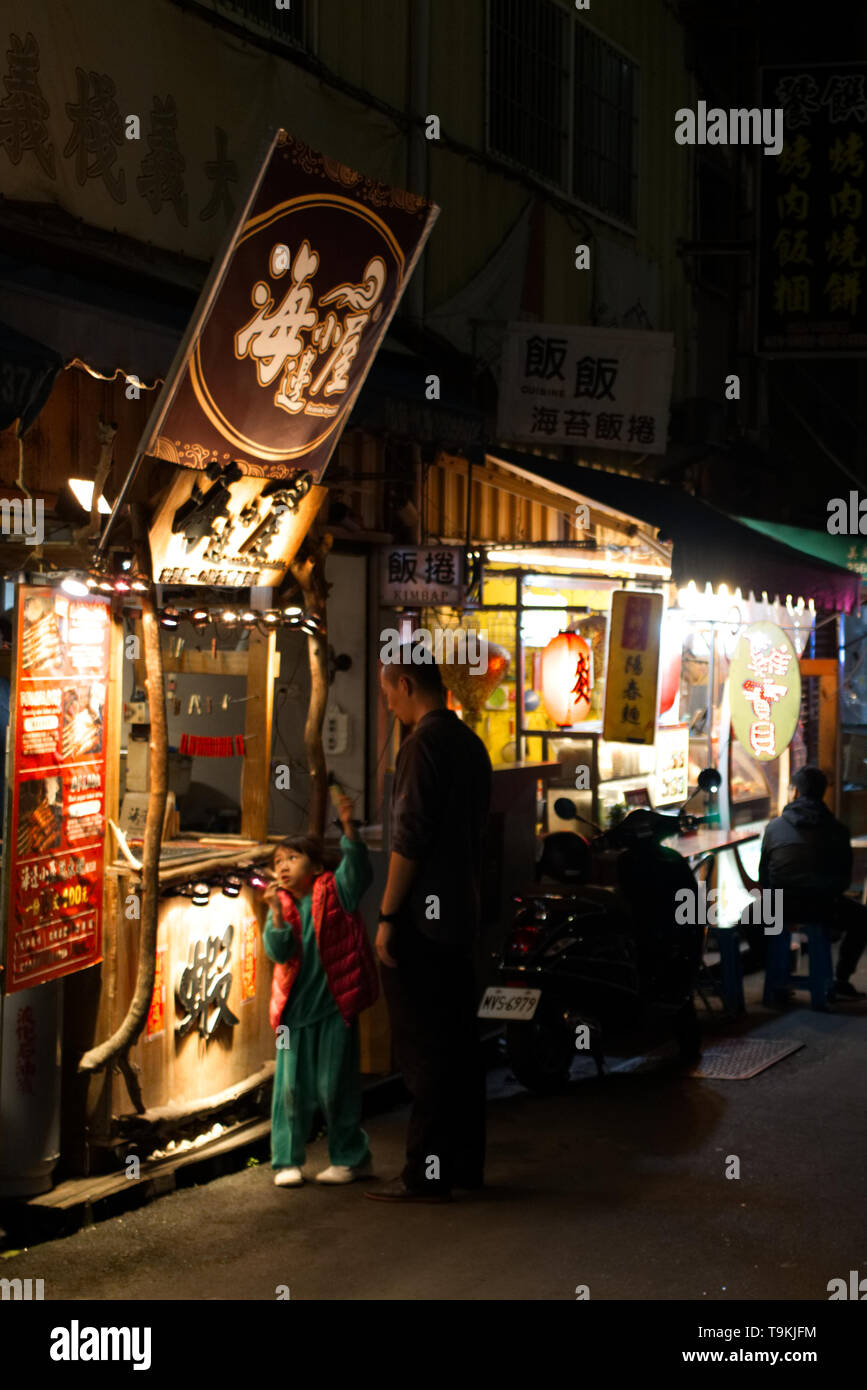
{"x": 221, "y": 528}
{"x": 291, "y": 319}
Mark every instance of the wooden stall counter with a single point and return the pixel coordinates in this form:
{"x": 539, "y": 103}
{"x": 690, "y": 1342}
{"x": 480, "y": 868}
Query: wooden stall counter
{"x": 208, "y": 1041}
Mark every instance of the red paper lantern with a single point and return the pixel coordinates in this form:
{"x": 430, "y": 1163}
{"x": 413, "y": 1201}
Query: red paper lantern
{"x": 567, "y": 678}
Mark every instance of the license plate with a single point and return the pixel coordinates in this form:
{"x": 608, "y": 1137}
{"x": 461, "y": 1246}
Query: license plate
{"x": 502, "y": 1002}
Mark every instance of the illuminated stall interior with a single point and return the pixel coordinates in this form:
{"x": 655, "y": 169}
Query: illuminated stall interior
{"x": 528, "y": 592}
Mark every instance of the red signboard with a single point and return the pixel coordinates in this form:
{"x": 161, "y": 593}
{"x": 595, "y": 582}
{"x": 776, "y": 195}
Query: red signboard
{"x": 58, "y": 778}
{"x": 290, "y": 322}
{"x": 156, "y": 1020}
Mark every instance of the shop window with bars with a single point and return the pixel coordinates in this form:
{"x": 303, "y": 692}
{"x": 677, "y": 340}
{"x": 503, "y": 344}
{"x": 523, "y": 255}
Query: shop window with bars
{"x": 604, "y": 163}
{"x": 563, "y": 103}
{"x": 528, "y": 85}
{"x": 262, "y": 17}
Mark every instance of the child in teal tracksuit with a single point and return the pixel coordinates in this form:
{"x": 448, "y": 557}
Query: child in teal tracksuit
{"x": 324, "y": 976}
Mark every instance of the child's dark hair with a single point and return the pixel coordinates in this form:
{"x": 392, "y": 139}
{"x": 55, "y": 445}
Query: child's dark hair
{"x": 311, "y": 845}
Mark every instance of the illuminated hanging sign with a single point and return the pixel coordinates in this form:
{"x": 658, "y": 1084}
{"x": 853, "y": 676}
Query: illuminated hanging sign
{"x": 632, "y": 672}
{"x": 765, "y": 691}
{"x": 220, "y": 529}
{"x": 291, "y": 320}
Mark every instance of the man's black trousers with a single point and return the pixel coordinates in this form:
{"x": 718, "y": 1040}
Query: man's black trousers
{"x": 431, "y": 997}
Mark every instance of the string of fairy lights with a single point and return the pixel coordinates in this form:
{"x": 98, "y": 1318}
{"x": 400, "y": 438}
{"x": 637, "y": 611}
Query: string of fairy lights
{"x": 198, "y": 891}
{"x": 80, "y": 584}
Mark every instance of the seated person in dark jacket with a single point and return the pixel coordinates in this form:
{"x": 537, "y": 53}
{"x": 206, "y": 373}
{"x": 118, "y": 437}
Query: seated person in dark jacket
{"x": 807, "y": 853}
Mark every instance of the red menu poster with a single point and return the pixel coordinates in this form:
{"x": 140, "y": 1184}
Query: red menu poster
{"x": 58, "y": 803}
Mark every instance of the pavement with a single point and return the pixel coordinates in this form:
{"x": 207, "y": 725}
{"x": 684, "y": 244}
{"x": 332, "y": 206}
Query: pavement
{"x": 618, "y": 1184}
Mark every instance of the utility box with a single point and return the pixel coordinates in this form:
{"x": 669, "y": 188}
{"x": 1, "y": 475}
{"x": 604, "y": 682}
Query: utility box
{"x": 30, "y": 1033}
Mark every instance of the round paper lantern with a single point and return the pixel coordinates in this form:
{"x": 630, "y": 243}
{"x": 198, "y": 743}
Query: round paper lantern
{"x": 567, "y": 678}
{"x": 472, "y": 686}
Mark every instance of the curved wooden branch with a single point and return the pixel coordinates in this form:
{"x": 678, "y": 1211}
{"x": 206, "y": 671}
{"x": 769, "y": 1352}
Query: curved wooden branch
{"x": 118, "y": 1045}
{"x": 309, "y": 574}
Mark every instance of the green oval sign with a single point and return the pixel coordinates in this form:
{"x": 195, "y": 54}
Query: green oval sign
{"x": 765, "y": 691}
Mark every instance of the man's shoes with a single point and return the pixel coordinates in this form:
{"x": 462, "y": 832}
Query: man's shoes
{"x": 844, "y": 990}
{"x": 288, "y": 1177}
{"x": 397, "y": 1191}
{"x": 338, "y": 1173}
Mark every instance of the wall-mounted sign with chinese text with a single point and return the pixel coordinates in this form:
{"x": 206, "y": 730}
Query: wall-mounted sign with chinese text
{"x": 632, "y": 672}
{"x": 239, "y": 533}
{"x": 414, "y": 576}
{"x": 765, "y": 691}
{"x": 597, "y": 388}
{"x": 58, "y": 781}
{"x": 203, "y": 986}
{"x": 288, "y": 326}
{"x": 812, "y": 292}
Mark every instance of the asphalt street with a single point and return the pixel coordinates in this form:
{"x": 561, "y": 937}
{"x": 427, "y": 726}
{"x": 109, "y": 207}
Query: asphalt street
{"x": 618, "y": 1184}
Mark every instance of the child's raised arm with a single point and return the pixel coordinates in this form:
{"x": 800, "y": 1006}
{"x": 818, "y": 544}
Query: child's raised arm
{"x": 354, "y": 874}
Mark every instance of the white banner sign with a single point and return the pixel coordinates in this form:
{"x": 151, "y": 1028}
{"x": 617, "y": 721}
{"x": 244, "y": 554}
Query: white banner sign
{"x": 600, "y": 388}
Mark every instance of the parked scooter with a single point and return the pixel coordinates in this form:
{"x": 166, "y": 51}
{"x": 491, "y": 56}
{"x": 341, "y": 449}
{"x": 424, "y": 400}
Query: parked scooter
{"x": 603, "y": 953}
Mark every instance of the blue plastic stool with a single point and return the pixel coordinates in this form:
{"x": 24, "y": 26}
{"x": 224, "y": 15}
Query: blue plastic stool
{"x": 778, "y": 974}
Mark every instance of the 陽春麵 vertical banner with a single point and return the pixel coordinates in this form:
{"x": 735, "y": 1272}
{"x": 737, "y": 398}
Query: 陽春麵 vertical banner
{"x": 632, "y": 672}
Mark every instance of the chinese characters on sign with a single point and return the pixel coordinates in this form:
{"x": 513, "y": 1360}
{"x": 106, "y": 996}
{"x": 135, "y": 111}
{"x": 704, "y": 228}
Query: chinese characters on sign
{"x": 765, "y": 691}
{"x": 204, "y": 985}
{"x": 58, "y": 775}
{"x": 600, "y": 388}
{"x": 83, "y": 141}
{"x": 633, "y": 667}
{"x": 812, "y": 253}
{"x": 414, "y": 575}
{"x": 279, "y": 349}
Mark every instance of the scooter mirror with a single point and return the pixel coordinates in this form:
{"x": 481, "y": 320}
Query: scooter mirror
{"x": 709, "y": 780}
{"x": 565, "y": 809}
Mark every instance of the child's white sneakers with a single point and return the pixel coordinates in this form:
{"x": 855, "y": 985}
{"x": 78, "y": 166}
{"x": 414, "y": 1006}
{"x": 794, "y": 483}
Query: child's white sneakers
{"x": 338, "y": 1174}
{"x": 288, "y": 1177}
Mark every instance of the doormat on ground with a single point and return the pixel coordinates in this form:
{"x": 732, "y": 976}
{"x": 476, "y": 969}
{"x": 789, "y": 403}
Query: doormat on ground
{"x": 729, "y": 1059}
{"x": 738, "y": 1059}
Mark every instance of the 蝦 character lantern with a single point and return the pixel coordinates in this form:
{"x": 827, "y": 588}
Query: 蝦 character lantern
{"x": 567, "y": 678}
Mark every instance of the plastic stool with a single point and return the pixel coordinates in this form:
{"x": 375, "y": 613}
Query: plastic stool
{"x": 778, "y": 974}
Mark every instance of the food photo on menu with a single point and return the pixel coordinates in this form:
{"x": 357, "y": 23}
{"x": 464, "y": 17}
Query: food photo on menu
{"x": 39, "y": 816}
{"x": 41, "y": 647}
{"x": 83, "y": 707}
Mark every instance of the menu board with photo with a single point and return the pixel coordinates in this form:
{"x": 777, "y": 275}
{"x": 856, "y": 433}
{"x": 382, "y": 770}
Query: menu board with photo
{"x": 58, "y": 776}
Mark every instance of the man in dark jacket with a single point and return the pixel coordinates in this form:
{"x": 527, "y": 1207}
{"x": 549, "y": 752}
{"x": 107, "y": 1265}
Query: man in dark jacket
{"x": 427, "y": 929}
{"x": 807, "y": 853}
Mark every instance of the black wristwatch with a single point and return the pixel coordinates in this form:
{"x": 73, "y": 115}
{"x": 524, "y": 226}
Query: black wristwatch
{"x": 388, "y": 916}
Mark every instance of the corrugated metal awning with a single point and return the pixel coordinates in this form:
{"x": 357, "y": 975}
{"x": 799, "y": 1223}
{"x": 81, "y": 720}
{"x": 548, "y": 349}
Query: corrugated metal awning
{"x": 710, "y": 547}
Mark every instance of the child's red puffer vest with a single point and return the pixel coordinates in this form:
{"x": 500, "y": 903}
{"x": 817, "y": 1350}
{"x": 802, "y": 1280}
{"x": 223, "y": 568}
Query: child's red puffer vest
{"x": 347, "y": 958}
